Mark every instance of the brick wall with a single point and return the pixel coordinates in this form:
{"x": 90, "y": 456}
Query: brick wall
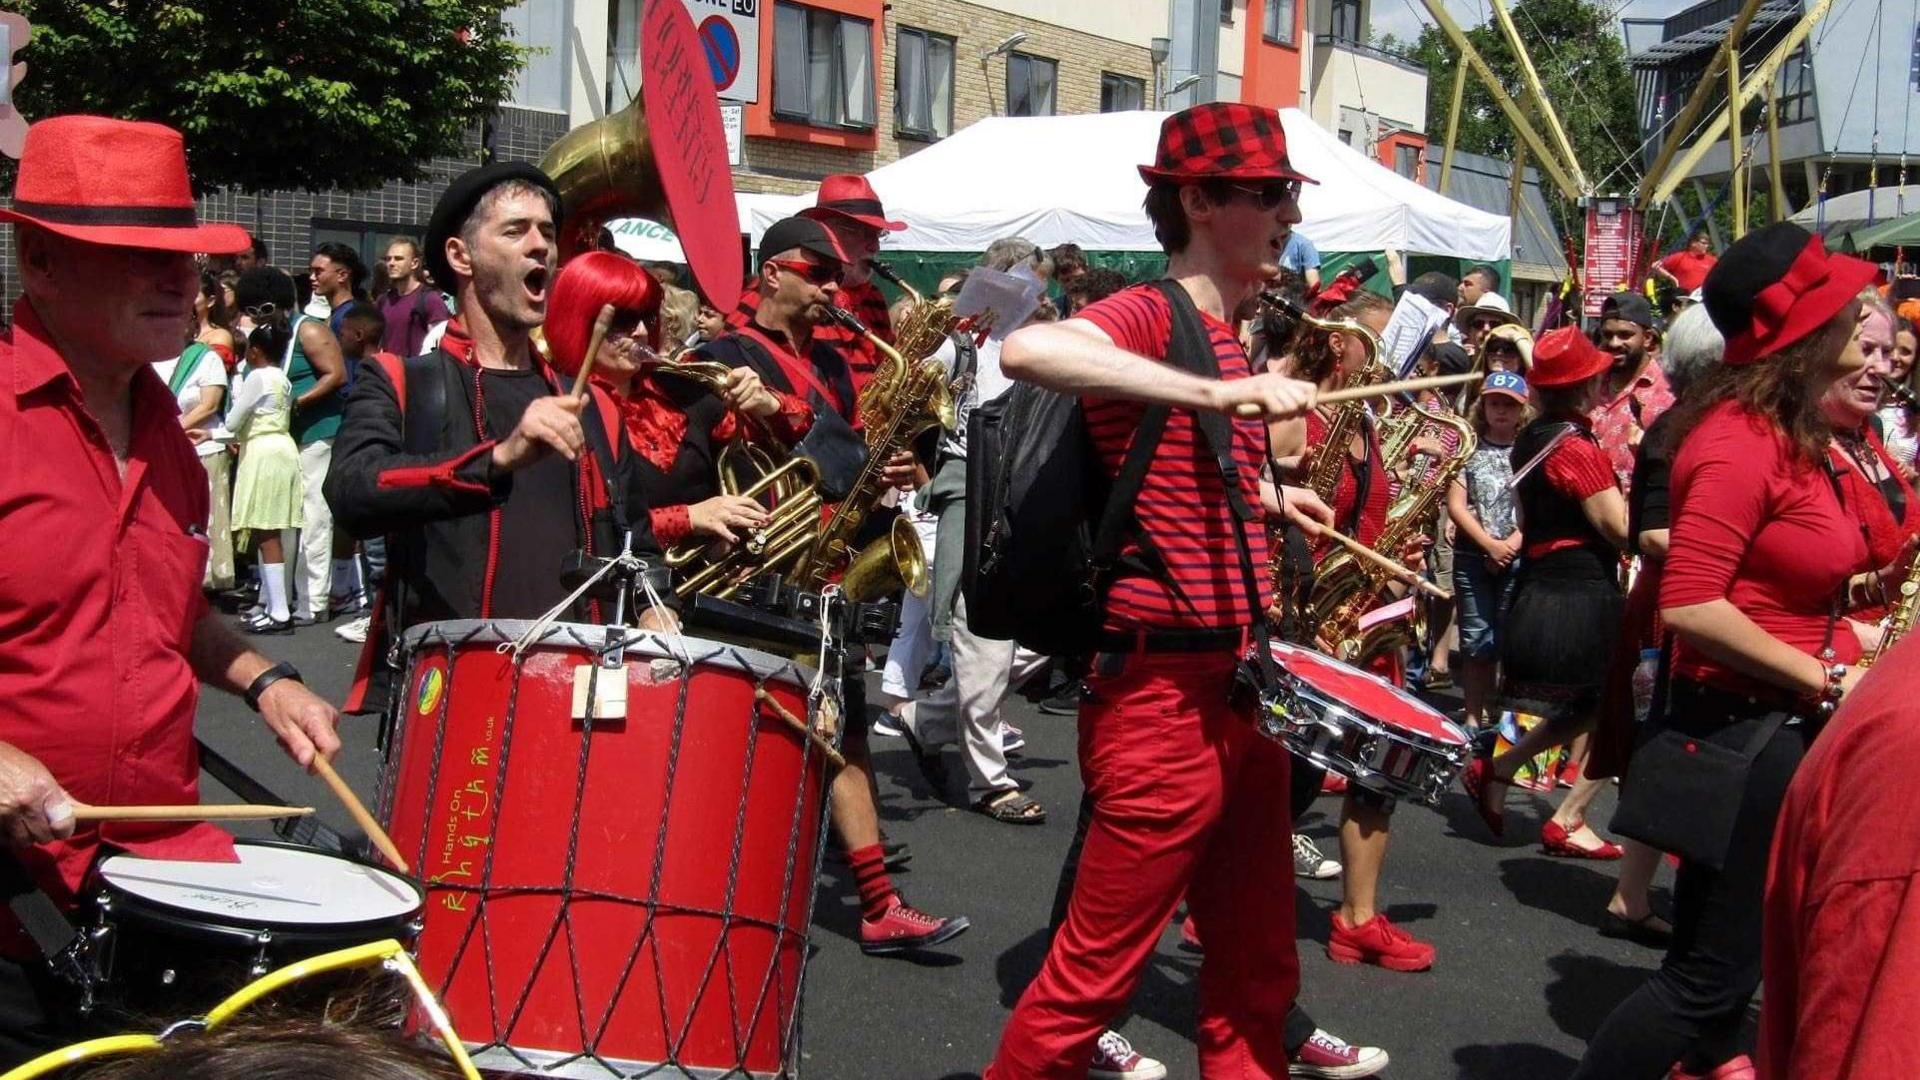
{"x": 774, "y": 165}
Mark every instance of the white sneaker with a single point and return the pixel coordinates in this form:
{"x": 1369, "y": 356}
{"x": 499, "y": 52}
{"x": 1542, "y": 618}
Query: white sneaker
{"x": 1329, "y": 1057}
{"x": 355, "y": 631}
{"x": 1011, "y": 738}
{"x": 1114, "y": 1058}
{"x": 888, "y": 724}
{"x": 1309, "y": 863}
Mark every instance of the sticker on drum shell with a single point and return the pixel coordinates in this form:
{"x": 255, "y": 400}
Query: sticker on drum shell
{"x": 428, "y": 689}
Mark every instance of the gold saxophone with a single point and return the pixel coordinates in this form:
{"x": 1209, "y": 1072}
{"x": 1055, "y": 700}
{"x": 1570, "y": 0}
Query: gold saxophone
{"x": 790, "y": 491}
{"x": 924, "y": 327}
{"x": 904, "y": 398}
{"x": 1345, "y": 588}
{"x": 1900, "y": 618}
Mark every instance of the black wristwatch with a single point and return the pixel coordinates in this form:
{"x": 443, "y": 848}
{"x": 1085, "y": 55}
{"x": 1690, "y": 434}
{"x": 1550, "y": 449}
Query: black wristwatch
{"x": 281, "y": 670}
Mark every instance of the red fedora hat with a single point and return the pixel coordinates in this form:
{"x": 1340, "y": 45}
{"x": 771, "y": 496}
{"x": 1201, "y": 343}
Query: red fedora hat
{"x": 848, "y": 195}
{"x": 1223, "y": 140}
{"x": 1566, "y": 356}
{"x": 121, "y": 183}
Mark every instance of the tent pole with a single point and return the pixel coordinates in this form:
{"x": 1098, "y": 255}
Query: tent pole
{"x": 1518, "y": 119}
{"x": 1749, "y": 89}
{"x": 1538, "y": 92}
{"x": 1696, "y": 104}
{"x": 1453, "y": 126}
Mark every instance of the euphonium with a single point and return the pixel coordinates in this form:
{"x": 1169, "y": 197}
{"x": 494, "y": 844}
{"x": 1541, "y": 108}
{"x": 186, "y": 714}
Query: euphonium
{"x": 919, "y": 332}
{"x": 1346, "y": 588}
{"x": 903, "y": 399}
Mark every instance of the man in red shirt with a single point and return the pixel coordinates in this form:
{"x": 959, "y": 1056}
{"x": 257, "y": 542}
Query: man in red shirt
{"x": 103, "y": 515}
{"x": 1636, "y": 389}
{"x": 1841, "y": 955}
{"x": 1687, "y": 268}
{"x": 1187, "y": 799}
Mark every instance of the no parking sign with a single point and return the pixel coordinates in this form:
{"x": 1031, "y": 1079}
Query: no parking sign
{"x": 730, "y": 35}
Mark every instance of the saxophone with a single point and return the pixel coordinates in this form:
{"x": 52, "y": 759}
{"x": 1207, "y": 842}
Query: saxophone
{"x": 904, "y": 398}
{"x": 924, "y": 327}
{"x": 1345, "y": 589}
{"x": 1901, "y": 618}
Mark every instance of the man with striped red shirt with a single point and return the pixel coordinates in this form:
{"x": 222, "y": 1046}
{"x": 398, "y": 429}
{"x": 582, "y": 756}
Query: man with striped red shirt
{"x": 1188, "y": 799}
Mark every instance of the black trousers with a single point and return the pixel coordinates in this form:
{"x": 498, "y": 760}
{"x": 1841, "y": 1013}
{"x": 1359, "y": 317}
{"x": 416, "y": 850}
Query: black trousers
{"x": 1693, "y": 1009}
{"x": 1300, "y": 1026}
{"x": 38, "y": 1013}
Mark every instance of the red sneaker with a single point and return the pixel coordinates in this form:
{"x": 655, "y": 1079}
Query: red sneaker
{"x": 1379, "y": 942}
{"x": 902, "y": 929}
{"x": 1330, "y": 1057}
{"x": 1333, "y": 784}
{"x": 1740, "y": 1068}
{"x": 1570, "y": 774}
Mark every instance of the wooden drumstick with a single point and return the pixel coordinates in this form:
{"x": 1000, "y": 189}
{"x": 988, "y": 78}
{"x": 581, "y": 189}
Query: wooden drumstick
{"x": 1357, "y": 393}
{"x": 359, "y": 813}
{"x": 189, "y": 812}
{"x": 773, "y": 705}
{"x": 1385, "y": 563}
{"x": 600, "y": 326}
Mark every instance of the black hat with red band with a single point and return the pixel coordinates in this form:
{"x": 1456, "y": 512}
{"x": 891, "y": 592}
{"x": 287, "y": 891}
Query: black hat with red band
{"x": 1775, "y": 286}
{"x": 1223, "y": 140}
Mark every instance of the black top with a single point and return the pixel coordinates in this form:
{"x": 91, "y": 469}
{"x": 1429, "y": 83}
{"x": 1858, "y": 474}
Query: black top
{"x": 693, "y": 475}
{"x": 1546, "y": 514}
{"x": 1649, "y": 500}
{"x": 539, "y": 525}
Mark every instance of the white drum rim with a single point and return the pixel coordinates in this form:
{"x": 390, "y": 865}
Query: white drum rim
{"x": 162, "y": 884}
{"x": 1321, "y": 695}
{"x": 592, "y": 637}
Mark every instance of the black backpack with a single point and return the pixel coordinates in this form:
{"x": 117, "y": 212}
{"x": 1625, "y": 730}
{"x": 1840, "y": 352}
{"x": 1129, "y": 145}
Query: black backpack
{"x": 1045, "y": 526}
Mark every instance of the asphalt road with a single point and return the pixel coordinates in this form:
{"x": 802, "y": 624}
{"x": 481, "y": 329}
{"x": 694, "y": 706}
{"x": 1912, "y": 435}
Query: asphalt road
{"x": 1522, "y": 978}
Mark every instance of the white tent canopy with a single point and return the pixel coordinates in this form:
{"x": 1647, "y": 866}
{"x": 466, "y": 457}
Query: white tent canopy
{"x": 1055, "y": 179}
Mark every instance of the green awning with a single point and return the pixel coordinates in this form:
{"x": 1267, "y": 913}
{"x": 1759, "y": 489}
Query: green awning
{"x": 1900, "y": 232}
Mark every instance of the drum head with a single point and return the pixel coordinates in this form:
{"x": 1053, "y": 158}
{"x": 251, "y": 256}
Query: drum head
{"x": 270, "y": 885}
{"x": 1367, "y": 695}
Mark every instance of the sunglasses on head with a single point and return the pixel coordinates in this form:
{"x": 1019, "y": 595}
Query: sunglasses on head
{"x": 1270, "y": 195}
{"x": 817, "y": 273}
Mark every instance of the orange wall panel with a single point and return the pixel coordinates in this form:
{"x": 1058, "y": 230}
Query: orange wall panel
{"x": 1271, "y": 73}
{"x": 759, "y": 119}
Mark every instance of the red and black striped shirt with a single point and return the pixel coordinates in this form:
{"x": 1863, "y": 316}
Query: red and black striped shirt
{"x": 1182, "y": 510}
{"x": 867, "y": 305}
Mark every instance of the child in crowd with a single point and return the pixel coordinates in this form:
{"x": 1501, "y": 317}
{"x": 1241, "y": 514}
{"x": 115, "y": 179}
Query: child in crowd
{"x": 267, "y": 490}
{"x": 1481, "y": 505}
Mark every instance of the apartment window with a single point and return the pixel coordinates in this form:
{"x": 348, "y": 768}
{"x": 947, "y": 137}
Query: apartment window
{"x": 623, "y": 53}
{"x": 1226, "y": 12}
{"x": 1346, "y": 21}
{"x": 923, "y": 84}
{"x": 1279, "y": 22}
{"x": 1406, "y": 161}
{"x": 1030, "y": 85}
{"x": 541, "y": 25}
{"x": 1119, "y": 93}
{"x": 822, "y": 67}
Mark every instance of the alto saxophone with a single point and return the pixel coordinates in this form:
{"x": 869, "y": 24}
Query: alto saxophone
{"x": 923, "y": 328}
{"x": 1345, "y": 589}
{"x": 1900, "y": 619}
{"x": 903, "y": 399}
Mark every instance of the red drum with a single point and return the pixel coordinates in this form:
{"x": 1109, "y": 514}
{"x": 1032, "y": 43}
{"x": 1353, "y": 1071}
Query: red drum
{"x": 623, "y": 897}
{"x": 1363, "y": 727}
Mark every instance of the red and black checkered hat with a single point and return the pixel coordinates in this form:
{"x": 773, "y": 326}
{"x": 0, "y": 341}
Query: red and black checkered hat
{"x": 1222, "y": 140}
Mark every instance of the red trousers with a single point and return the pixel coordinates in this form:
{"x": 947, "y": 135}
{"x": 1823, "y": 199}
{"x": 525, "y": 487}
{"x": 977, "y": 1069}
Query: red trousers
{"x": 1188, "y": 800}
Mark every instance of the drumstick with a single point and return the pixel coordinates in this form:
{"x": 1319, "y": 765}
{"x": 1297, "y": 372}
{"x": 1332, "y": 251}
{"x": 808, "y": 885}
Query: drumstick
{"x": 774, "y": 706}
{"x": 600, "y": 326}
{"x": 360, "y": 816}
{"x": 1356, "y": 393}
{"x": 189, "y": 812}
{"x": 1385, "y": 563}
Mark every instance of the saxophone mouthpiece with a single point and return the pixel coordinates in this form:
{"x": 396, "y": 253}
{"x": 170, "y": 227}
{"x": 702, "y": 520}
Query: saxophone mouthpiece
{"x": 847, "y": 319}
{"x": 886, "y": 271}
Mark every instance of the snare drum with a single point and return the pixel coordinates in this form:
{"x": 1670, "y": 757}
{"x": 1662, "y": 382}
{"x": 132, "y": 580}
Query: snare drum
{"x": 172, "y": 938}
{"x": 626, "y": 896}
{"x": 1363, "y": 727}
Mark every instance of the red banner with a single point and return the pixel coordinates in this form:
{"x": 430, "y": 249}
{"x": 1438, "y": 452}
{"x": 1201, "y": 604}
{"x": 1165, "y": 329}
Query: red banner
{"x": 1612, "y": 252}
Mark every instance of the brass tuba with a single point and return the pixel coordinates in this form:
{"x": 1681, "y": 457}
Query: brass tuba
{"x": 603, "y": 170}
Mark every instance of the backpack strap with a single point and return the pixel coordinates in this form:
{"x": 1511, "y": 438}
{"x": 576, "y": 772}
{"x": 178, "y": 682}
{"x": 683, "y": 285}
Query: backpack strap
{"x": 188, "y": 363}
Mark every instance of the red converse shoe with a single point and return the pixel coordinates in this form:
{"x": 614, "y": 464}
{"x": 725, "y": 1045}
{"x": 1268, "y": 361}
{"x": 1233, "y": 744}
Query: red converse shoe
{"x": 902, "y": 929}
{"x": 1330, "y": 1057}
{"x": 1740, "y": 1068}
{"x": 1379, "y": 942}
{"x": 1114, "y": 1058}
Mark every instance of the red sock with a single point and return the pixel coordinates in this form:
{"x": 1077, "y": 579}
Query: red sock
{"x": 870, "y": 877}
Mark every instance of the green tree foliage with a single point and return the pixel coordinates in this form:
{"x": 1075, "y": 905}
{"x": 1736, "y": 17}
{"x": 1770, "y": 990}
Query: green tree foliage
{"x": 277, "y": 94}
{"x": 1582, "y": 63}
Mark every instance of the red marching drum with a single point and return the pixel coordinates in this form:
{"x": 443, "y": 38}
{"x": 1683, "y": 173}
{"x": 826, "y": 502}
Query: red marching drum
{"x": 1363, "y": 727}
{"x": 626, "y": 896}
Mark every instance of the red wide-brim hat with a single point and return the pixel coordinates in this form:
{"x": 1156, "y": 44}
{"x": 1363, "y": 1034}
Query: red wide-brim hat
{"x": 1777, "y": 285}
{"x": 1222, "y": 140}
{"x": 850, "y": 196}
{"x": 119, "y": 183}
{"x": 1566, "y": 356}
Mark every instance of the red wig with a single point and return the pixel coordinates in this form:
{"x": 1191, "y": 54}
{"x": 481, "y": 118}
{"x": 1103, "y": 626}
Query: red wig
{"x": 587, "y": 282}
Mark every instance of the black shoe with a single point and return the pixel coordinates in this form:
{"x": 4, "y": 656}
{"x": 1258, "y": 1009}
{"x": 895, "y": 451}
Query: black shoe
{"x": 1066, "y": 702}
{"x": 261, "y": 624}
{"x": 898, "y": 853}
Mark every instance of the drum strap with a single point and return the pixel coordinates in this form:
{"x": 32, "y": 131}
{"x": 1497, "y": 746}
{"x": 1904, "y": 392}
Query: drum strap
{"x": 1191, "y": 347}
{"x": 42, "y": 919}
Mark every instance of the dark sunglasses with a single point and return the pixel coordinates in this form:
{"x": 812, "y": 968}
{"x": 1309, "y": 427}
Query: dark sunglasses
{"x": 1270, "y": 195}
{"x": 817, "y": 273}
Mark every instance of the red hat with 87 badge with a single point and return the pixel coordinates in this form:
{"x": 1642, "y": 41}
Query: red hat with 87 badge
{"x": 1222, "y": 140}
{"x": 120, "y": 183}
